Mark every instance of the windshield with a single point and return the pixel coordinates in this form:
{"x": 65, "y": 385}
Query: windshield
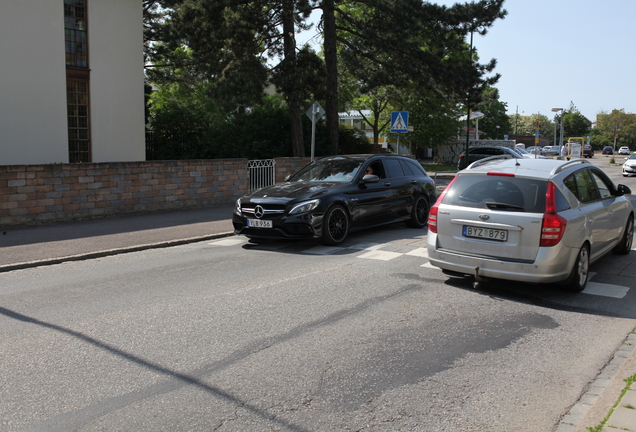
{"x": 332, "y": 170}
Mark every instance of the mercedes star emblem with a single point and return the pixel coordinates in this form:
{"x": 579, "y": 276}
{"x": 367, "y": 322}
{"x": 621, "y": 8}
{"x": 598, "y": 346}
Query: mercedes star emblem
{"x": 259, "y": 211}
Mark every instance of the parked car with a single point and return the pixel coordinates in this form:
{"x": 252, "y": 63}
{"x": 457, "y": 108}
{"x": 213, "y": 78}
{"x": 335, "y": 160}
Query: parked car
{"x": 588, "y": 151}
{"x": 527, "y": 154}
{"x": 480, "y": 152}
{"x": 335, "y": 195}
{"x": 530, "y": 221}
{"x": 623, "y": 150}
{"x": 552, "y": 150}
{"x": 536, "y": 150}
{"x": 629, "y": 167}
{"x": 608, "y": 150}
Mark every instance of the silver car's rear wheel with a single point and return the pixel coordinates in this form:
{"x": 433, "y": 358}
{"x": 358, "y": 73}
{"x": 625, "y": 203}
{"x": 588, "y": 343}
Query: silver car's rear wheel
{"x": 578, "y": 277}
{"x": 625, "y": 245}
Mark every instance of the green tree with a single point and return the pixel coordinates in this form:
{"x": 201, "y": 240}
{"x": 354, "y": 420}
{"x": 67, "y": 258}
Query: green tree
{"x": 495, "y": 123}
{"x": 236, "y": 46}
{"x": 574, "y": 123}
{"x": 408, "y": 44}
{"x": 620, "y": 124}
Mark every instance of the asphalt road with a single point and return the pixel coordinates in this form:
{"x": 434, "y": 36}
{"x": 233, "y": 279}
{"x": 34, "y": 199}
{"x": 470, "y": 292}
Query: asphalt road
{"x": 226, "y": 335}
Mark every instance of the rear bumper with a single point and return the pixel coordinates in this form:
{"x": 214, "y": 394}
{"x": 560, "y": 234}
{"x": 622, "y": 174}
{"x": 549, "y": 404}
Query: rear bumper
{"x": 553, "y": 264}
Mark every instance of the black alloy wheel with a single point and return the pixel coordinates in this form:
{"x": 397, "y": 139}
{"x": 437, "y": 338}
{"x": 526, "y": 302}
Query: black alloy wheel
{"x": 419, "y": 213}
{"x": 335, "y": 225}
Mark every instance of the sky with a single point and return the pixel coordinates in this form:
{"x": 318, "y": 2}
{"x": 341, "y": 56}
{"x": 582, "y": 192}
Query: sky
{"x": 551, "y": 53}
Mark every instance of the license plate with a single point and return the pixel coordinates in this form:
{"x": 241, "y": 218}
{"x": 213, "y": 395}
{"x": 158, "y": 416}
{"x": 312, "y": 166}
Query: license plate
{"x": 259, "y": 223}
{"x": 485, "y": 233}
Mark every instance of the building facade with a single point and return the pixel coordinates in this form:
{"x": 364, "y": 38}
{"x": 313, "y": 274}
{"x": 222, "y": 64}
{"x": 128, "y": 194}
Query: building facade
{"x": 71, "y": 81}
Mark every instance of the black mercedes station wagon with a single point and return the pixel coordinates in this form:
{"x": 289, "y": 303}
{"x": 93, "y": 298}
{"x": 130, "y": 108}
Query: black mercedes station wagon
{"x": 335, "y": 195}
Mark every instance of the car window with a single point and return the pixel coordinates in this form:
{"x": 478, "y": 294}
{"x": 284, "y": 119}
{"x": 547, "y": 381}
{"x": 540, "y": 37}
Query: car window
{"x": 476, "y": 191}
{"x": 604, "y": 189}
{"x": 582, "y": 186}
{"x": 416, "y": 168}
{"x": 340, "y": 170}
{"x": 393, "y": 167}
{"x": 378, "y": 169}
{"x": 406, "y": 168}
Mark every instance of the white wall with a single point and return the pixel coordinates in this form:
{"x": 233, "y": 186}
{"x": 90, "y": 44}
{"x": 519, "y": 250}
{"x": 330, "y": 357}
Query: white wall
{"x": 33, "y": 123}
{"x": 33, "y": 126}
{"x": 117, "y": 80}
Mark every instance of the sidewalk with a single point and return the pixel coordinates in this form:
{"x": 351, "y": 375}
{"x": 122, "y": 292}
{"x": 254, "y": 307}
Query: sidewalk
{"x": 32, "y": 246}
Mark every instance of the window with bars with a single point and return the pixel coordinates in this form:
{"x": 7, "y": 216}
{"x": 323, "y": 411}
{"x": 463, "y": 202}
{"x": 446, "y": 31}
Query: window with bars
{"x": 77, "y": 80}
{"x": 78, "y": 120}
{"x": 75, "y": 33}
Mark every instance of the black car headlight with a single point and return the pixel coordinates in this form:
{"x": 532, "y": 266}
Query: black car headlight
{"x": 304, "y": 207}
{"x": 238, "y": 205}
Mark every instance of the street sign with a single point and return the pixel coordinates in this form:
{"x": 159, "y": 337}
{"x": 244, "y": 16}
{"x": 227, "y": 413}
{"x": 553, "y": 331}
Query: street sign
{"x": 399, "y": 121}
{"x": 317, "y": 110}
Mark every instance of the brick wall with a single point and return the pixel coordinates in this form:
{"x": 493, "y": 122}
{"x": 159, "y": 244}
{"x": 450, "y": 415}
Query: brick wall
{"x": 57, "y": 192}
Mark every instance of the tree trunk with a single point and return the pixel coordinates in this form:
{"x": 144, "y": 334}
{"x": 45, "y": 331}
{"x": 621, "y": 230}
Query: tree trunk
{"x": 331, "y": 108}
{"x": 290, "y": 91}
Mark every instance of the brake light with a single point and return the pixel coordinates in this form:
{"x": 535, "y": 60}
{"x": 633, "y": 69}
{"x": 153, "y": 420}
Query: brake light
{"x": 432, "y": 213}
{"x": 553, "y": 225}
{"x": 500, "y": 174}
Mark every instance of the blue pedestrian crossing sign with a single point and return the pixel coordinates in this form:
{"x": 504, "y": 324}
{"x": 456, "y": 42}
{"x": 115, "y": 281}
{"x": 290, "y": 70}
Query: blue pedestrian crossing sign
{"x": 399, "y": 121}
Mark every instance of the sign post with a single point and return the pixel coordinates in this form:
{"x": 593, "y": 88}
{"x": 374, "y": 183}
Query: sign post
{"x": 399, "y": 124}
{"x": 315, "y": 113}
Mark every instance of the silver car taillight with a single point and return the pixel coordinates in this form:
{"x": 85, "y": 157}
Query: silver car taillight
{"x": 553, "y": 225}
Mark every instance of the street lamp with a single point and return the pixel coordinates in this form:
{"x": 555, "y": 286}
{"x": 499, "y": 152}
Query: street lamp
{"x": 497, "y": 132}
{"x": 561, "y": 122}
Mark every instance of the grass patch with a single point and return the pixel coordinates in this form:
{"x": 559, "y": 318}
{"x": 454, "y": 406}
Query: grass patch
{"x": 435, "y": 167}
{"x": 629, "y": 382}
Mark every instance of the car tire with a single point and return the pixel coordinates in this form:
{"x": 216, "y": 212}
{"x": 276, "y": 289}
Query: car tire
{"x": 335, "y": 225}
{"x": 625, "y": 245}
{"x": 419, "y": 213}
{"x": 578, "y": 277}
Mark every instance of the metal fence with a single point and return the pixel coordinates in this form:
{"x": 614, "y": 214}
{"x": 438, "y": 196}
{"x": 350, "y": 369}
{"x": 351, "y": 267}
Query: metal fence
{"x": 261, "y": 173}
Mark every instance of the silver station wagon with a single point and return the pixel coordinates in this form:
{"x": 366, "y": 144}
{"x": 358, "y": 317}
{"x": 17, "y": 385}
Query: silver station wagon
{"x": 537, "y": 221}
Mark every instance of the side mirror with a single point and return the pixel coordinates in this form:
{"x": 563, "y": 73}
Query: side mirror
{"x": 370, "y": 178}
{"x": 623, "y": 190}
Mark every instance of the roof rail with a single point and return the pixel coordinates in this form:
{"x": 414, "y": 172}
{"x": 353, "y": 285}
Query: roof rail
{"x": 568, "y": 164}
{"x": 480, "y": 162}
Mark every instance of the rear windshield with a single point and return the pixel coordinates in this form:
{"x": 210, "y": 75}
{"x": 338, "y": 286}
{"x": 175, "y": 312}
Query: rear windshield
{"x": 498, "y": 193}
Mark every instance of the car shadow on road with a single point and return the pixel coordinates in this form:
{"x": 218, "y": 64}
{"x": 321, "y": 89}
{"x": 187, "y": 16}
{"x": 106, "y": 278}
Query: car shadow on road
{"x": 555, "y": 296}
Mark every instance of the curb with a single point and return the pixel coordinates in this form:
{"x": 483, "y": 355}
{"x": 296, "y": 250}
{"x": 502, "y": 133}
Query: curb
{"x": 110, "y": 252}
{"x": 603, "y": 392}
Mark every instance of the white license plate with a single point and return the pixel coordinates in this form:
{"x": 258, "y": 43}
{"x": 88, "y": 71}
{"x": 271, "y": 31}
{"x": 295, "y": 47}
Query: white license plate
{"x": 259, "y": 223}
{"x": 485, "y": 233}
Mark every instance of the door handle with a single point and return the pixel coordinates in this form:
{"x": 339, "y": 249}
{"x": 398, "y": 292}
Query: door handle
{"x": 387, "y": 184}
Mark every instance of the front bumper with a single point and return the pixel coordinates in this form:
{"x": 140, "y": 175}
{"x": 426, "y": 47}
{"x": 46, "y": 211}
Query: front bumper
{"x": 303, "y": 226}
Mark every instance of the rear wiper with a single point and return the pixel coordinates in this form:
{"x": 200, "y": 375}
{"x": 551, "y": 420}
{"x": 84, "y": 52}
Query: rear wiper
{"x": 502, "y": 206}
